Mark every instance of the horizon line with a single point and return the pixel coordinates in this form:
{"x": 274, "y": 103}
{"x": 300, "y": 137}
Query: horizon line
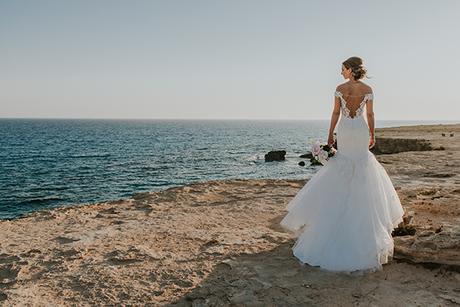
{"x": 274, "y": 119}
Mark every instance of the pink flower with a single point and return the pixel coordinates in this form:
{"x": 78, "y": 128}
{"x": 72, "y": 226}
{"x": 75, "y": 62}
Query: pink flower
{"x": 323, "y": 157}
{"x": 316, "y": 148}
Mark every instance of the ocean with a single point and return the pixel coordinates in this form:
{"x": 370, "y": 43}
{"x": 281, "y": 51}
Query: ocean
{"x": 47, "y": 163}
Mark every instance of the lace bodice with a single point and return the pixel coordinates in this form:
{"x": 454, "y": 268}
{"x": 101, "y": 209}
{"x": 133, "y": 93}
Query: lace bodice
{"x": 346, "y": 111}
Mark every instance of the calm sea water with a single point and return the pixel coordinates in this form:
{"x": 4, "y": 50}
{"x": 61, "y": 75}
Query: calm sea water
{"x": 46, "y": 163}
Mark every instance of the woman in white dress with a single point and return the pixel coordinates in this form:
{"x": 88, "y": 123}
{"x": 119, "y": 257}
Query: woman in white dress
{"x": 344, "y": 215}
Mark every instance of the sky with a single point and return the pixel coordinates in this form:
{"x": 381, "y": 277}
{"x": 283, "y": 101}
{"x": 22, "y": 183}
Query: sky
{"x": 234, "y": 59}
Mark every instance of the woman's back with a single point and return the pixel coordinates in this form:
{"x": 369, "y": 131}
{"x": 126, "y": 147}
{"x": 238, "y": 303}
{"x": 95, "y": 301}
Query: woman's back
{"x": 353, "y": 96}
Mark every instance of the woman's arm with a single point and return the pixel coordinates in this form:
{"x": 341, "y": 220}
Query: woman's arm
{"x": 370, "y": 122}
{"x": 334, "y": 118}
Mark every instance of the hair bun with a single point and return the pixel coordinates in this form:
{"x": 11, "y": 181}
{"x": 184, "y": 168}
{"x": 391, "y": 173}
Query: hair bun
{"x": 357, "y": 69}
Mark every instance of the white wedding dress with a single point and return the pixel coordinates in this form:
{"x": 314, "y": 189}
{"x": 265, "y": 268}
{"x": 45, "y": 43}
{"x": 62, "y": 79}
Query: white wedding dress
{"x": 344, "y": 215}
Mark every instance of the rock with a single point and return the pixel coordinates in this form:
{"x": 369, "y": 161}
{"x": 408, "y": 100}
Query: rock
{"x": 438, "y": 229}
{"x": 125, "y": 257}
{"x": 308, "y": 155}
{"x": 430, "y": 246}
{"x": 405, "y": 230}
{"x": 408, "y": 217}
{"x": 314, "y": 162}
{"x": 65, "y": 240}
{"x": 451, "y": 298}
{"x": 395, "y": 145}
{"x": 8, "y": 274}
{"x": 275, "y": 155}
{"x": 302, "y": 163}
{"x": 109, "y": 211}
{"x": 230, "y": 262}
{"x": 244, "y": 297}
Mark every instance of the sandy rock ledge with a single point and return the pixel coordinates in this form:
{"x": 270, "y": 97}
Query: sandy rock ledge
{"x": 218, "y": 243}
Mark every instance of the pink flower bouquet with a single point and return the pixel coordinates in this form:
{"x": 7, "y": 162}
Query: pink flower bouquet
{"x": 321, "y": 153}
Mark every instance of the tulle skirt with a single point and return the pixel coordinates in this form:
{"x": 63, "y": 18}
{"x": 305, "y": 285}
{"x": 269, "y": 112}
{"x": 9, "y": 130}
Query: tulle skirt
{"x": 344, "y": 215}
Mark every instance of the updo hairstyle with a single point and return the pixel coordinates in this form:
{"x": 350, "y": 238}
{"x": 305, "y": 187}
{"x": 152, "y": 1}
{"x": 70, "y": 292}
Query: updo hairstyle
{"x": 357, "y": 69}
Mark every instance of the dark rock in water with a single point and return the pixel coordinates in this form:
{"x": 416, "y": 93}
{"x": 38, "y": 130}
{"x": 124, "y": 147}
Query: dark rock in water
{"x": 443, "y": 134}
{"x": 314, "y": 162}
{"x": 451, "y": 134}
{"x": 394, "y": 145}
{"x": 275, "y": 155}
{"x": 440, "y": 148}
{"x": 302, "y": 163}
{"x": 308, "y": 155}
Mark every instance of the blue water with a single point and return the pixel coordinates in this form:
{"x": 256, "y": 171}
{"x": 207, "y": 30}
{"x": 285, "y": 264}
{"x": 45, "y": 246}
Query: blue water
{"x": 45, "y": 163}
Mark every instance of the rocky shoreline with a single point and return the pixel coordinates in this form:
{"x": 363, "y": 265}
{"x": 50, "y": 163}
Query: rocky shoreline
{"x": 218, "y": 243}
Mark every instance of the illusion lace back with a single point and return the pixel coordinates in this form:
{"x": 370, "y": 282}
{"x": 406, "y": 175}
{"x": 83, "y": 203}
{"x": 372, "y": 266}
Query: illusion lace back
{"x": 359, "y": 111}
{"x": 344, "y": 215}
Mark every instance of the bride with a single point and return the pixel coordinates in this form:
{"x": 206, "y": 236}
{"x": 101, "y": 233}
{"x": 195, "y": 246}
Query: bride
{"x": 344, "y": 215}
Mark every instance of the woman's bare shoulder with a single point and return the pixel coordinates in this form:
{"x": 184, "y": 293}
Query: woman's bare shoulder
{"x": 347, "y": 87}
{"x": 340, "y": 86}
{"x": 367, "y": 87}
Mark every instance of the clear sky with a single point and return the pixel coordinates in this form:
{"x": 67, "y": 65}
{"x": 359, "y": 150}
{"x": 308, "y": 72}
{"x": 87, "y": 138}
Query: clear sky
{"x": 225, "y": 59}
